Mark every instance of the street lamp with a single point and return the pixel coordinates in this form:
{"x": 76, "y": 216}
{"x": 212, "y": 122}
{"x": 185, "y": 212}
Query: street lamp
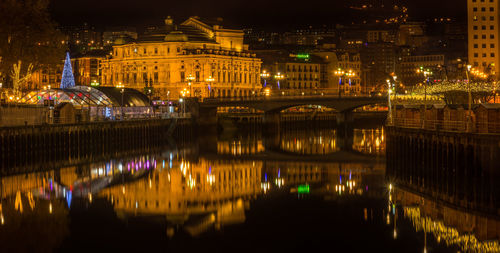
{"x": 264, "y": 75}
{"x": 209, "y": 80}
{"x": 181, "y": 100}
{"x": 469, "y": 120}
{"x": 339, "y": 72}
{"x": 122, "y": 91}
{"x": 279, "y": 77}
{"x": 427, "y": 73}
{"x": 350, "y": 75}
{"x": 190, "y": 79}
{"x": 389, "y": 91}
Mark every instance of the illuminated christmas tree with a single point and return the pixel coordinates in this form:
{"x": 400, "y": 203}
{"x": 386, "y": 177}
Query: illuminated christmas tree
{"x": 67, "y": 80}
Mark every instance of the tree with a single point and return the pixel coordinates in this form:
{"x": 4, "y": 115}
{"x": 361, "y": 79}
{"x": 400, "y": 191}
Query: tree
{"x": 28, "y": 40}
{"x": 19, "y": 79}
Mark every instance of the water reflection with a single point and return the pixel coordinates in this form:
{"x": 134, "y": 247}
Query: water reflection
{"x": 369, "y": 141}
{"x": 454, "y": 227}
{"x": 199, "y": 190}
{"x": 309, "y": 142}
{"x": 306, "y": 142}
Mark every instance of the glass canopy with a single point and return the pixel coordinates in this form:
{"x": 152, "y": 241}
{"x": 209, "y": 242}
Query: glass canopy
{"x": 89, "y": 96}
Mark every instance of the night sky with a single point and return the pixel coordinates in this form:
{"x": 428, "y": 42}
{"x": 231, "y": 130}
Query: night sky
{"x": 254, "y": 13}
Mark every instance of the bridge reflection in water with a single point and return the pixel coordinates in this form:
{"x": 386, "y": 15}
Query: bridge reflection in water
{"x": 314, "y": 142}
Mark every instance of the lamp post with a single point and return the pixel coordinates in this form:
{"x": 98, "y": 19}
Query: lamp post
{"x": 209, "y": 80}
{"x": 264, "y": 75}
{"x": 339, "y": 72}
{"x": 190, "y": 79}
{"x": 389, "y": 91}
{"x": 469, "y": 120}
{"x": 279, "y": 77}
{"x": 350, "y": 74}
{"x": 122, "y": 91}
{"x": 181, "y": 100}
{"x": 427, "y": 73}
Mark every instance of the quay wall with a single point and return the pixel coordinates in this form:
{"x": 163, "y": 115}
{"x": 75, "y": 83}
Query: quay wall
{"x": 22, "y": 146}
{"x": 459, "y": 168}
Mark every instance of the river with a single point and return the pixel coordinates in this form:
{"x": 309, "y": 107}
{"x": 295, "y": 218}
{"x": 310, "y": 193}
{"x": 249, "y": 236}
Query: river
{"x": 299, "y": 191}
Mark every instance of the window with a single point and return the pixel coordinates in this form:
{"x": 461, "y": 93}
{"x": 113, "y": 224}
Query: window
{"x": 483, "y": 36}
{"x": 183, "y": 76}
{"x": 492, "y": 54}
{"x": 492, "y": 45}
{"x": 492, "y": 9}
{"x": 492, "y": 27}
{"x": 492, "y": 36}
{"x": 475, "y": 46}
{"x": 475, "y": 27}
{"x": 483, "y": 45}
{"x": 475, "y": 36}
{"x": 476, "y": 55}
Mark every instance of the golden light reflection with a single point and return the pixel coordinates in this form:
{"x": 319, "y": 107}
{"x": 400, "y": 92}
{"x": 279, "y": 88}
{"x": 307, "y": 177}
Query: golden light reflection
{"x": 317, "y": 143}
{"x": 369, "y": 141}
{"x": 448, "y": 234}
{"x": 453, "y": 227}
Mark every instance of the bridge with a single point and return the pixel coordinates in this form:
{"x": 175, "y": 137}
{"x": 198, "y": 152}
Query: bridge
{"x": 205, "y": 111}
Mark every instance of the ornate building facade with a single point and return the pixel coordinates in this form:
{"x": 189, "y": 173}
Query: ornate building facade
{"x": 196, "y": 58}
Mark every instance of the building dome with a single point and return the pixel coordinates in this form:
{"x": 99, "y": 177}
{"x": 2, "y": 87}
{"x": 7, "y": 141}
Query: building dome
{"x": 176, "y": 36}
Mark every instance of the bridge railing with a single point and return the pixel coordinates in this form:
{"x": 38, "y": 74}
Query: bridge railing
{"x": 281, "y": 97}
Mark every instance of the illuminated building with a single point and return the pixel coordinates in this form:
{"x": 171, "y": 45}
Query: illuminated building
{"x": 45, "y": 76}
{"x": 83, "y": 38}
{"x": 483, "y": 22}
{"x": 86, "y": 68}
{"x": 343, "y": 61}
{"x": 410, "y": 64}
{"x": 291, "y": 72}
{"x": 379, "y": 61}
{"x": 199, "y": 56}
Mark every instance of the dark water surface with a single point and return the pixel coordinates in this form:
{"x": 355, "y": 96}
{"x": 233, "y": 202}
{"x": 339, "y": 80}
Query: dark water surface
{"x": 297, "y": 191}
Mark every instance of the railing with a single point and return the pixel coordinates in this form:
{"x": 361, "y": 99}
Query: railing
{"x": 46, "y": 118}
{"x": 445, "y": 125}
{"x": 294, "y": 96}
